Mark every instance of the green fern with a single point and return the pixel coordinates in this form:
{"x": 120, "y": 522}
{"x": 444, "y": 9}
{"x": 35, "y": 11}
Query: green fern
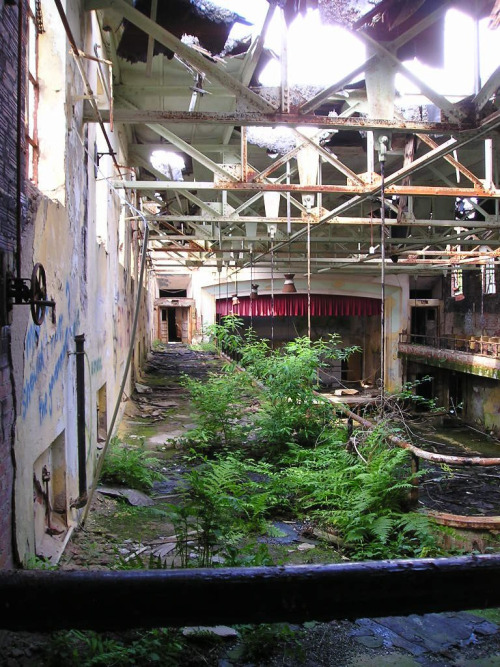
{"x": 381, "y": 528}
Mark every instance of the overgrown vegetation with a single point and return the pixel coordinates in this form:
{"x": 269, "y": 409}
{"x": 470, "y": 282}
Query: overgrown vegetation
{"x": 282, "y": 452}
{"x": 129, "y": 466}
{"x": 292, "y": 459}
{"x": 290, "y": 412}
{"x": 256, "y": 458}
{"x": 75, "y": 648}
{"x": 218, "y": 404}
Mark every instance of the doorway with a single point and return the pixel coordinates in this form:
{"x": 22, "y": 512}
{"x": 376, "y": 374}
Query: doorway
{"x": 174, "y": 327}
{"x": 424, "y": 325}
{"x": 174, "y": 324}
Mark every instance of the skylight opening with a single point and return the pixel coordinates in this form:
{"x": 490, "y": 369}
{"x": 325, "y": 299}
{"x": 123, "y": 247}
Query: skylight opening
{"x": 170, "y": 164}
{"x": 456, "y": 78}
{"x": 317, "y": 53}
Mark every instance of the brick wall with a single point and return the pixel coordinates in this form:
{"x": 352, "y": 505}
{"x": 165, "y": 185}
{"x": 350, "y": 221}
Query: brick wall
{"x": 8, "y": 210}
{"x": 8, "y": 126}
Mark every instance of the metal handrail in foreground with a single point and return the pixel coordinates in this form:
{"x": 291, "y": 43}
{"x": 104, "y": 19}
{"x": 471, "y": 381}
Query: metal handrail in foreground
{"x": 107, "y": 600}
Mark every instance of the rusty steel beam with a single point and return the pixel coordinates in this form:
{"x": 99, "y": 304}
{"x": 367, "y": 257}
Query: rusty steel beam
{"x": 458, "y": 165}
{"x": 410, "y": 222}
{"x": 417, "y": 190}
{"x": 257, "y": 118}
{"x": 486, "y": 127}
{"x": 45, "y": 601}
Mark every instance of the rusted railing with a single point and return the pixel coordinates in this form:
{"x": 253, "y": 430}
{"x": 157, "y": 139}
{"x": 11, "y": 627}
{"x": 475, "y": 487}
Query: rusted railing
{"x": 488, "y": 346}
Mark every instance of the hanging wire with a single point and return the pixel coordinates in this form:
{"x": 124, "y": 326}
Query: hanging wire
{"x": 309, "y": 277}
{"x": 219, "y": 270}
{"x": 272, "y": 294}
{"x": 382, "y": 152}
{"x": 372, "y": 247}
{"x": 251, "y": 283}
{"x": 288, "y": 202}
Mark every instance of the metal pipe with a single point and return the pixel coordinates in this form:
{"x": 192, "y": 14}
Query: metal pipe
{"x": 19, "y": 143}
{"x": 88, "y": 89}
{"x": 80, "y": 415}
{"x": 39, "y": 600}
{"x": 422, "y": 453}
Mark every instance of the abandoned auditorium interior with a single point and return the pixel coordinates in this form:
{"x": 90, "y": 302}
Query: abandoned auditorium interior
{"x": 311, "y": 166}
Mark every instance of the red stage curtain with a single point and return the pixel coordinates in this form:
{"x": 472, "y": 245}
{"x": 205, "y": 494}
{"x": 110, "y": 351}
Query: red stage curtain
{"x": 295, "y": 305}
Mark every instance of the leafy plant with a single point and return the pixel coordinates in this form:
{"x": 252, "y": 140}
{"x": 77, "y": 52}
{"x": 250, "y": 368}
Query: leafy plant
{"x": 218, "y": 403}
{"x": 226, "y": 335}
{"x": 291, "y": 411}
{"x": 362, "y": 497}
{"x": 34, "y": 562}
{"x": 259, "y": 642}
{"x": 130, "y": 466}
{"x": 221, "y": 505}
{"x": 75, "y": 648}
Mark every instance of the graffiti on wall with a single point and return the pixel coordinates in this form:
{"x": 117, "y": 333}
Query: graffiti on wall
{"x": 96, "y": 366}
{"x": 45, "y": 357}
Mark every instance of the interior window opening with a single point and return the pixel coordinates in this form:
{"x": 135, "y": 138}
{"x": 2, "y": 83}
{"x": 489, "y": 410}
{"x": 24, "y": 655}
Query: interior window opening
{"x": 34, "y": 27}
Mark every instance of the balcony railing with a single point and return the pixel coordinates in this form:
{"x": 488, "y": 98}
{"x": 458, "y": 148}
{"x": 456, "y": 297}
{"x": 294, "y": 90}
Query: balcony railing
{"x": 487, "y": 346}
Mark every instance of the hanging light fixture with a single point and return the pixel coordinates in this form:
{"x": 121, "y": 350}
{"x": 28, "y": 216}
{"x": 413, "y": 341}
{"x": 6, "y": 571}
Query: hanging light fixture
{"x": 235, "y": 301}
{"x": 289, "y": 285}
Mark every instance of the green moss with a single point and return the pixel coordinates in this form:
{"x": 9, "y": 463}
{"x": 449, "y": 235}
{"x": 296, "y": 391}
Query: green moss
{"x": 137, "y": 523}
{"x": 492, "y": 615}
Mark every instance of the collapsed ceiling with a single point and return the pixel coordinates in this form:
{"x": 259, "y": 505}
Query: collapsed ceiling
{"x": 340, "y": 177}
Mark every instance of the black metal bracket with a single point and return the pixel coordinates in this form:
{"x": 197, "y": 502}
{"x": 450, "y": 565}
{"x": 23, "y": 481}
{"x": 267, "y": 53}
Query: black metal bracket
{"x": 33, "y": 292}
{"x": 99, "y": 155}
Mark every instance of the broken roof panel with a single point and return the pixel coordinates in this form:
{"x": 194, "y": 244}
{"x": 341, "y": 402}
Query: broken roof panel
{"x": 203, "y": 19}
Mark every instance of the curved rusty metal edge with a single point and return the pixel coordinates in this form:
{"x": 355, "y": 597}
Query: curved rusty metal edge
{"x": 421, "y": 453}
{"x": 465, "y": 522}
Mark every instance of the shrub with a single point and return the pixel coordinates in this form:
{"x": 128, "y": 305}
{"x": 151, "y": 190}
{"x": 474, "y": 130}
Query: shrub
{"x": 129, "y": 466}
{"x": 218, "y": 403}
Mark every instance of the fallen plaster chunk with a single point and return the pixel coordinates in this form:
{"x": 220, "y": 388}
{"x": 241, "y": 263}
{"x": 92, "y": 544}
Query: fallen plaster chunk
{"x": 134, "y": 497}
{"x": 142, "y": 389}
{"x": 163, "y": 550}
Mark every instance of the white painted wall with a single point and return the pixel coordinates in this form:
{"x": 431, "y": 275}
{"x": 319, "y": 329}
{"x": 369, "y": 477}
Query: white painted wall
{"x": 90, "y": 279}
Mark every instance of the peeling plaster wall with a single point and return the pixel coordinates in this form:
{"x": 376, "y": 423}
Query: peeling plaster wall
{"x": 92, "y": 285}
{"x": 483, "y": 404}
{"x": 476, "y": 314}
